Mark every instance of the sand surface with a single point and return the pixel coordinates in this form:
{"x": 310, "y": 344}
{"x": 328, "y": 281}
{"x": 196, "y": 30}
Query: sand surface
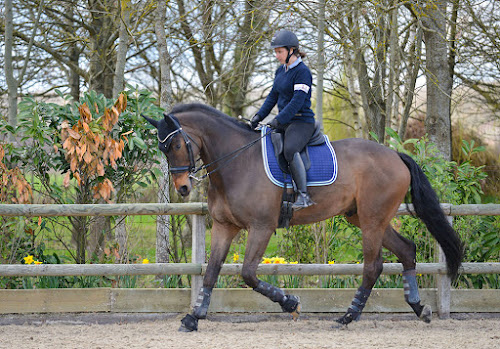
{"x": 275, "y": 334}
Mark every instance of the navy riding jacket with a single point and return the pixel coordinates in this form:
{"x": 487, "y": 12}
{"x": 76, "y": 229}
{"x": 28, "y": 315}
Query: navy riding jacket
{"x": 292, "y": 92}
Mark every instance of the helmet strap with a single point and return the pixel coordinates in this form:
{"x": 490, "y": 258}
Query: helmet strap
{"x": 291, "y": 51}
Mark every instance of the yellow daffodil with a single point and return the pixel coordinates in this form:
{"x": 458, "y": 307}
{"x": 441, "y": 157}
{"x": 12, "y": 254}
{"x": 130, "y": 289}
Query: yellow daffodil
{"x": 266, "y": 260}
{"x": 236, "y": 257}
{"x": 37, "y": 262}
{"x": 145, "y": 261}
{"x": 331, "y": 262}
{"x": 279, "y": 260}
{"x": 296, "y": 262}
{"x": 28, "y": 260}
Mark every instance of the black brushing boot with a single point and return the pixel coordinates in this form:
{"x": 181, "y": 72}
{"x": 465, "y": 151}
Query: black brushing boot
{"x": 298, "y": 172}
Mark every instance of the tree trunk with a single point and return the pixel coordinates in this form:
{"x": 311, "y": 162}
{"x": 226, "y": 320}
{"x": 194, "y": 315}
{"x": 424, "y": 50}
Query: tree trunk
{"x": 373, "y": 104}
{"x": 121, "y": 56}
{"x": 101, "y": 40}
{"x": 439, "y": 79}
{"x": 163, "y": 222}
{"x": 414, "y": 59}
{"x": 204, "y": 75}
{"x": 9, "y": 66}
{"x": 391, "y": 105}
{"x": 321, "y": 63}
{"x": 245, "y": 55}
{"x": 121, "y": 233}
{"x": 73, "y": 55}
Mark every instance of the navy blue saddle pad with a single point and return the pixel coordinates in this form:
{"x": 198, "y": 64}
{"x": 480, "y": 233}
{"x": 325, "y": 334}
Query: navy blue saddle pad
{"x": 323, "y": 169}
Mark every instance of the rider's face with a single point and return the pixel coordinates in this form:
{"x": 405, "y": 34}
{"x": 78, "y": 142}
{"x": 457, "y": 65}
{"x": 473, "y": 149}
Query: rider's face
{"x": 281, "y": 53}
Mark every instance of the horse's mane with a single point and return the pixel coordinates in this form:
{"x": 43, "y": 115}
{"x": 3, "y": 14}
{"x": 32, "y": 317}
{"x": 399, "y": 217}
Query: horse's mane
{"x": 181, "y": 108}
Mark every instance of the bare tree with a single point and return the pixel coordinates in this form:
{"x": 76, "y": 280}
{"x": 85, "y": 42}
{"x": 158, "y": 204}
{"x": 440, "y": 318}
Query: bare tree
{"x": 478, "y": 46}
{"x": 121, "y": 55}
{"x": 9, "y": 67}
{"x": 13, "y": 82}
{"x": 223, "y": 56}
{"x": 163, "y": 222}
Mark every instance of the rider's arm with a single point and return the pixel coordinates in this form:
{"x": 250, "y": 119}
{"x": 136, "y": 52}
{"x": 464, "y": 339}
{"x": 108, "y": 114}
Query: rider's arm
{"x": 301, "y": 91}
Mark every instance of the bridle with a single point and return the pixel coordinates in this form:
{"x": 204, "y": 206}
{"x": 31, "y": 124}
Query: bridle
{"x": 191, "y": 168}
{"x": 167, "y": 141}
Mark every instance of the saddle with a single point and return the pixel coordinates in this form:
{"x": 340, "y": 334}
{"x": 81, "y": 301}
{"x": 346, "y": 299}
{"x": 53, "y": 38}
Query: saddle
{"x": 317, "y": 138}
{"x": 319, "y": 159}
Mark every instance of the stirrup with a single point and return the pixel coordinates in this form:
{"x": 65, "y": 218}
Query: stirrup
{"x": 303, "y": 201}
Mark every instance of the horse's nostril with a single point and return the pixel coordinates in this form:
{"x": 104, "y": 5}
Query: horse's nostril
{"x": 184, "y": 190}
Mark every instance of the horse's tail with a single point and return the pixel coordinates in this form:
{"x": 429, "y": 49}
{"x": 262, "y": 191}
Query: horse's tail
{"x": 428, "y": 209}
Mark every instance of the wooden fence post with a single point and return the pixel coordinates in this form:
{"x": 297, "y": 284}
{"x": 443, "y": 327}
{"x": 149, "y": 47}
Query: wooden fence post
{"x": 198, "y": 253}
{"x": 443, "y": 284}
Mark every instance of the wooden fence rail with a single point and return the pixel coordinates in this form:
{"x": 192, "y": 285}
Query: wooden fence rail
{"x": 229, "y": 269}
{"x": 199, "y": 208}
{"x": 52, "y": 210}
{"x": 197, "y": 268}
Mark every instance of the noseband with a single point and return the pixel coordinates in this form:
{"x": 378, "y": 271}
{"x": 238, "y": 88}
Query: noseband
{"x": 167, "y": 141}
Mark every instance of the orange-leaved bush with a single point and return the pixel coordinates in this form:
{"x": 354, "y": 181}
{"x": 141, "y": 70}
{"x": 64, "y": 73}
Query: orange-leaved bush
{"x": 90, "y": 146}
{"x": 13, "y": 186}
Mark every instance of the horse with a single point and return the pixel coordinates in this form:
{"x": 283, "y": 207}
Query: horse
{"x": 371, "y": 183}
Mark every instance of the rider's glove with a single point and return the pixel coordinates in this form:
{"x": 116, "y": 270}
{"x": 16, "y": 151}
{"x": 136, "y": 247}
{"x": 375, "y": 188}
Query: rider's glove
{"x": 274, "y": 123}
{"x": 255, "y": 121}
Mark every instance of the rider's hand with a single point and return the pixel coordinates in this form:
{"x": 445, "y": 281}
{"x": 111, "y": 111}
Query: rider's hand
{"x": 255, "y": 121}
{"x": 274, "y": 124}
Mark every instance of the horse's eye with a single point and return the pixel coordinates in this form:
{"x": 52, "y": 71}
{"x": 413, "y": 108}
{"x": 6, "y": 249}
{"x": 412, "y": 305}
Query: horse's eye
{"x": 177, "y": 146}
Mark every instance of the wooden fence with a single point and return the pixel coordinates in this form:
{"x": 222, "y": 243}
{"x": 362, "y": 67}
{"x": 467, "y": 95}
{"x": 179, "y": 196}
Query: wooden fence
{"x": 443, "y": 297}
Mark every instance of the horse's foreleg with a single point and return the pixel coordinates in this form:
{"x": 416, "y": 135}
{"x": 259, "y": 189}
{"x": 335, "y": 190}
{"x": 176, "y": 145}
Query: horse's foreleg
{"x": 256, "y": 246}
{"x": 405, "y": 250}
{"x": 222, "y": 235}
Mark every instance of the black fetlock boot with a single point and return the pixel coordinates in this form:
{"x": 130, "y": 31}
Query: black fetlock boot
{"x": 289, "y": 303}
{"x": 356, "y": 308}
{"x": 299, "y": 176}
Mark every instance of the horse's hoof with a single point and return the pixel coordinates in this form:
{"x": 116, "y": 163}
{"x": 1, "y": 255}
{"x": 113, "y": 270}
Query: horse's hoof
{"x": 189, "y": 324}
{"x": 347, "y": 319}
{"x": 292, "y": 306}
{"x": 426, "y": 315}
{"x": 339, "y": 325}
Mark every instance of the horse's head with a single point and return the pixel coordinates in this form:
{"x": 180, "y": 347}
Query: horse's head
{"x": 176, "y": 144}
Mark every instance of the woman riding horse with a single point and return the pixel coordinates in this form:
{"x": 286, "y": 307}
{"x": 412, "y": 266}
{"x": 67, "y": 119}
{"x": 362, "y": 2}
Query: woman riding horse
{"x": 292, "y": 92}
{"x": 372, "y": 182}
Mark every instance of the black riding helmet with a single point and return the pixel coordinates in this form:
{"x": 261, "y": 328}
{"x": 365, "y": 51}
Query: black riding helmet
{"x": 286, "y": 39}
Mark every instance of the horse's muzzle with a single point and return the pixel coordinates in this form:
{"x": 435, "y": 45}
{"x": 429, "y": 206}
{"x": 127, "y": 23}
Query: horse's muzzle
{"x": 182, "y": 183}
{"x": 184, "y": 190}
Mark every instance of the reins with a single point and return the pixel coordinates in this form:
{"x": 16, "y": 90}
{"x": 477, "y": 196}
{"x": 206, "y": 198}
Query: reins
{"x": 231, "y": 156}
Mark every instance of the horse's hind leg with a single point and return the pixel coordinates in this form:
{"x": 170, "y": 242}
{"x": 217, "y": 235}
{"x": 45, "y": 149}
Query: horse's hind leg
{"x": 405, "y": 250}
{"x": 372, "y": 268}
{"x": 222, "y": 235}
{"x": 256, "y": 246}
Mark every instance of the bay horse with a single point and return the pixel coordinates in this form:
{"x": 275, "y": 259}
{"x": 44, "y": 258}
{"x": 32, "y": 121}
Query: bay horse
{"x": 372, "y": 182}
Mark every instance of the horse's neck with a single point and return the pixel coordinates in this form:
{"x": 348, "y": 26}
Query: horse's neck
{"x": 218, "y": 137}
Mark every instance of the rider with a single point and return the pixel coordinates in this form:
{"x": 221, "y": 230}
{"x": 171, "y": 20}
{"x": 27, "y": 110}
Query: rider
{"x": 292, "y": 92}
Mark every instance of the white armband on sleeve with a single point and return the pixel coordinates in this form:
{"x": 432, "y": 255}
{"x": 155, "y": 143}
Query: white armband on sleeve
{"x": 301, "y": 87}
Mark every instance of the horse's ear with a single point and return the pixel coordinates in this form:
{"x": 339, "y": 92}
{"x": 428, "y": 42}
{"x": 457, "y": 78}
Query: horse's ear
{"x": 172, "y": 122}
{"x": 151, "y": 121}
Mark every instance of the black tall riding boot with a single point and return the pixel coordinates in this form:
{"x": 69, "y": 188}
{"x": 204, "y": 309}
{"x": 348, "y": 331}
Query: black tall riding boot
{"x": 298, "y": 172}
